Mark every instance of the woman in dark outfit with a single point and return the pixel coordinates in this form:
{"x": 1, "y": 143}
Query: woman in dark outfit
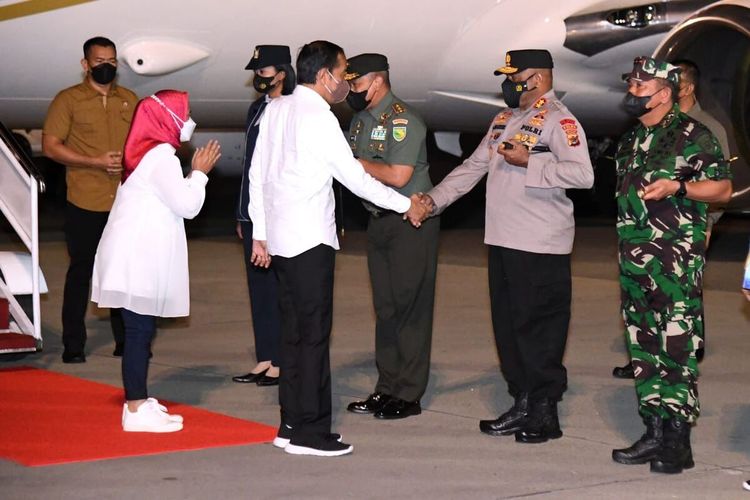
{"x": 274, "y": 77}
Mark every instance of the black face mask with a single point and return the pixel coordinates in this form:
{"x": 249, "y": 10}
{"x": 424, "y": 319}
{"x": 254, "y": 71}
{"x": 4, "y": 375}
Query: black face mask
{"x": 263, "y": 83}
{"x": 357, "y": 100}
{"x": 637, "y": 106}
{"x": 512, "y": 92}
{"x": 104, "y": 73}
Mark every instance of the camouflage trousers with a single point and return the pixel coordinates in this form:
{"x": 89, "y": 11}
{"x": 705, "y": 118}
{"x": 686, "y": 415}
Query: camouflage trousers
{"x": 663, "y": 314}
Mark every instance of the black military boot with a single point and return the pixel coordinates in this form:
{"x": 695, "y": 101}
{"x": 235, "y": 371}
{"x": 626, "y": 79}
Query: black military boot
{"x": 625, "y": 371}
{"x": 542, "y": 424}
{"x": 646, "y": 448}
{"x": 510, "y": 421}
{"x": 676, "y": 453}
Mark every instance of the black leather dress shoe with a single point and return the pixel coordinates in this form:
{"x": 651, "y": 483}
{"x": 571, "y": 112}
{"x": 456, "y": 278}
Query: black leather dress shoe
{"x": 265, "y": 381}
{"x": 509, "y": 422}
{"x": 373, "y": 403}
{"x": 625, "y": 371}
{"x": 76, "y": 357}
{"x": 398, "y": 408}
{"x": 249, "y": 378}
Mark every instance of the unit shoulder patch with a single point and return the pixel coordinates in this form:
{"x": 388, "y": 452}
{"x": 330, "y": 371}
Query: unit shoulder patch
{"x": 570, "y": 128}
{"x": 399, "y": 133}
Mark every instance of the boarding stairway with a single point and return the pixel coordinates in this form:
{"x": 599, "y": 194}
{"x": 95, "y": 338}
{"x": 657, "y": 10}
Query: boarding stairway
{"x": 20, "y": 275}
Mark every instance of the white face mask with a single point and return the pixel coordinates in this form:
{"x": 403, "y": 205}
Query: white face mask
{"x": 186, "y": 127}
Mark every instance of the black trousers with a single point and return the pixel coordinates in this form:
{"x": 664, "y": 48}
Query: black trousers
{"x": 139, "y": 332}
{"x": 306, "y": 302}
{"x": 83, "y": 230}
{"x": 264, "y": 302}
{"x": 403, "y": 262}
{"x": 530, "y": 297}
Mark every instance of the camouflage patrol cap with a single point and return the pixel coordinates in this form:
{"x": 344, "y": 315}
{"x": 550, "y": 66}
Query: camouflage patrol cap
{"x": 647, "y": 68}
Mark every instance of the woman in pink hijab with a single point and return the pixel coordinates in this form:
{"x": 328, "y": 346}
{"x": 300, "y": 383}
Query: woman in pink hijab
{"x": 141, "y": 263}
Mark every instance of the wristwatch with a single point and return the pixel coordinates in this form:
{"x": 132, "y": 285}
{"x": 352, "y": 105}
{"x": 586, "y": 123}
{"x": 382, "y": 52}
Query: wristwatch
{"x": 681, "y": 191}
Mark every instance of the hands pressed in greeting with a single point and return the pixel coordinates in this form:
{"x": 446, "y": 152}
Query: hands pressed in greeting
{"x": 260, "y": 256}
{"x": 206, "y": 157}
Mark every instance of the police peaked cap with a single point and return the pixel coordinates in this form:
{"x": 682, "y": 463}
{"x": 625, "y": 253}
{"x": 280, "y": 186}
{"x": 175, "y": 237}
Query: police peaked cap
{"x": 519, "y": 60}
{"x": 269, "y": 55}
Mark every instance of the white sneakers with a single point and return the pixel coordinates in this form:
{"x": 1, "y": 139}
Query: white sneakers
{"x": 150, "y": 417}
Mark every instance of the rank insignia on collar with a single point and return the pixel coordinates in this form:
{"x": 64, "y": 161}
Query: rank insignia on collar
{"x": 398, "y": 108}
{"x": 541, "y": 102}
{"x": 399, "y": 133}
{"x": 570, "y": 128}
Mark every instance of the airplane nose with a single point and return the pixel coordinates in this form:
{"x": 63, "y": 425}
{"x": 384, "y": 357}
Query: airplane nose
{"x": 159, "y": 57}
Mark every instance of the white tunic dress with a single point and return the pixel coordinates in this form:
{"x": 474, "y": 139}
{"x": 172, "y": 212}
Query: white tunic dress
{"x": 142, "y": 263}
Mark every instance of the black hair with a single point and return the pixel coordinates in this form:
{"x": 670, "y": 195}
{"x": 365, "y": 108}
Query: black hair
{"x": 690, "y": 71}
{"x": 290, "y": 79}
{"x": 315, "y": 56}
{"x": 99, "y": 41}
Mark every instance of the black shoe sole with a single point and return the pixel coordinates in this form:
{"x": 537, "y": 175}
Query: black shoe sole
{"x": 520, "y": 438}
{"x": 74, "y": 360}
{"x": 632, "y": 461}
{"x": 665, "y": 468}
{"x": 411, "y": 413}
{"x": 507, "y": 432}
{"x": 360, "y": 412}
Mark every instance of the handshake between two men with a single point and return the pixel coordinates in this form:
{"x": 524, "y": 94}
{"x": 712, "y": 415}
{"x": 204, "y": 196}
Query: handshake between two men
{"x": 422, "y": 207}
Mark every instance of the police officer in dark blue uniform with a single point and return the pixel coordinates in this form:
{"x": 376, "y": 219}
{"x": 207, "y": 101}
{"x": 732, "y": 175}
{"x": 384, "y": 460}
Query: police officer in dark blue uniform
{"x": 274, "y": 76}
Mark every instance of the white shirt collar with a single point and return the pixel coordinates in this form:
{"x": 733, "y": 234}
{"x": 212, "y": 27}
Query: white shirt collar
{"x": 309, "y": 95}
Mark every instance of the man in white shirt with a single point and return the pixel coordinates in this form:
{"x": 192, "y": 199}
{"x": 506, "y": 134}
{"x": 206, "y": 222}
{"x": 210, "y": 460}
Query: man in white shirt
{"x": 300, "y": 150}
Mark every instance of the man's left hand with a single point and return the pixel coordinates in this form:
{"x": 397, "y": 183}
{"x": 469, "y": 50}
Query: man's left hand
{"x": 659, "y": 189}
{"x": 518, "y": 155}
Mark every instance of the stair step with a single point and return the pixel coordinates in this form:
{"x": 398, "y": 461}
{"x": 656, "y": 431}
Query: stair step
{"x": 16, "y": 342}
{"x": 4, "y": 315}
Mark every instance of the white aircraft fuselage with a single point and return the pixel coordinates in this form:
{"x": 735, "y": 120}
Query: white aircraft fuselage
{"x": 441, "y": 54}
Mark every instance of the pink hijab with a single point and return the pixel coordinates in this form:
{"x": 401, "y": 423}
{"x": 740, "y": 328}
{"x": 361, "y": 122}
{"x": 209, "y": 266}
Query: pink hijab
{"x": 153, "y": 125}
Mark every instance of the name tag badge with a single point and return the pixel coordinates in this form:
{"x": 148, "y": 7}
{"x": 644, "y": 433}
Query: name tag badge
{"x": 378, "y": 133}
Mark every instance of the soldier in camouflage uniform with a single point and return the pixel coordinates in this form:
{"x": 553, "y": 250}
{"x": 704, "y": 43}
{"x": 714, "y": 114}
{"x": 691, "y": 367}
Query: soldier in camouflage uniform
{"x": 669, "y": 167}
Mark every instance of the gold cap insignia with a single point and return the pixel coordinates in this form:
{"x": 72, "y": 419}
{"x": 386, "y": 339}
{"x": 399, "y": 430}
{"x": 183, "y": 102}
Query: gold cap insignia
{"x": 256, "y": 54}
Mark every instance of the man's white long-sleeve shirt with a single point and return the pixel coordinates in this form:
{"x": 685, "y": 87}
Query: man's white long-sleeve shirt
{"x": 300, "y": 150}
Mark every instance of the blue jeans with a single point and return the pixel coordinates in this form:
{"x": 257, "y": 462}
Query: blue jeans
{"x": 139, "y": 332}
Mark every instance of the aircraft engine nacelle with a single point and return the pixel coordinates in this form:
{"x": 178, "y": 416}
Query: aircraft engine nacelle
{"x": 717, "y": 39}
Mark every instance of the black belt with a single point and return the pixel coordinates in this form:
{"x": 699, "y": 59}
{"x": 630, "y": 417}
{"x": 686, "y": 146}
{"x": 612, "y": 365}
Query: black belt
{"x": 379, "y": 214}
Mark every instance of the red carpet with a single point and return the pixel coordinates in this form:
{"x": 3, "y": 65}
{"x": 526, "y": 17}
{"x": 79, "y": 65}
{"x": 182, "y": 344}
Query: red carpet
{"x": 49, "y": 418}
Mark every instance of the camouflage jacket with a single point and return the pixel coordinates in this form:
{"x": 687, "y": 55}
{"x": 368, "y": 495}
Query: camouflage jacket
{"x": 677, "y": 148}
